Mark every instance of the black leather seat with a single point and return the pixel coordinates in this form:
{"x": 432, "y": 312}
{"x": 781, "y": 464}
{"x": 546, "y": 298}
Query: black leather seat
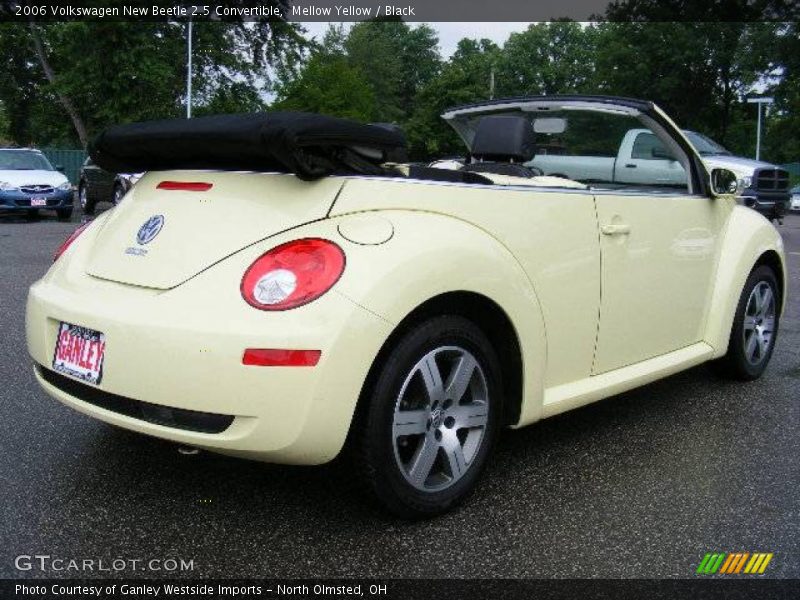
{"x": 501, "y": 144}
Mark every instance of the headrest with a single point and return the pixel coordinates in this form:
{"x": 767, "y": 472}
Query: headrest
{"x": 504, "y": 138}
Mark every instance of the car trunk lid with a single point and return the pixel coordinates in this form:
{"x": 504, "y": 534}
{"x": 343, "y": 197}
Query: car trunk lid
{"x": 188, "y": 231}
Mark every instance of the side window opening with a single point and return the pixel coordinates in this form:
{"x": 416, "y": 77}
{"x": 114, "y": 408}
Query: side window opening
{"x": 601, "y": 148}
{"x": 648, "y": 147}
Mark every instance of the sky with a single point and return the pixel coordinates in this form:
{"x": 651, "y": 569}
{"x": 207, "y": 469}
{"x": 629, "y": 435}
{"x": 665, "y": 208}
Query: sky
{"x": 449, "y": 33}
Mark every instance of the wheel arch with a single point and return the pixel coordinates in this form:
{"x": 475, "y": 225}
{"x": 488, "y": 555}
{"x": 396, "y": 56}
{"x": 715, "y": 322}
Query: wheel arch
{"x": 490, "y": 318}
{"x": 749, "y": 241}
{"x": 773, "y": 260}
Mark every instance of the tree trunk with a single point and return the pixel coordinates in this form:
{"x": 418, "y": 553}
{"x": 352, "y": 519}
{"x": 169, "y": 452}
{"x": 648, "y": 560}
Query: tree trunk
{"x": 77, "y": 122}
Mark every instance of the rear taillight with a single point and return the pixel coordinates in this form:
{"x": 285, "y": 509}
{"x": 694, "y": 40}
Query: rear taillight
{"x": 293, "y": 274}
{"x": 67, "y": 242}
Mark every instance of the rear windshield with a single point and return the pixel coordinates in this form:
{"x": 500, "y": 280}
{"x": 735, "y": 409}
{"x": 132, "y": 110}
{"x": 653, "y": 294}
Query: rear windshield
{"x": 23, "y": 160}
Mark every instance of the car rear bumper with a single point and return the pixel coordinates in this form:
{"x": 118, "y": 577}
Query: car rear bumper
{"x": 173, "y": 364}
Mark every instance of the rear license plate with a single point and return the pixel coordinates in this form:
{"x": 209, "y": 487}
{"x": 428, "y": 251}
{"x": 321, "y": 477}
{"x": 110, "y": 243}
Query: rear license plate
{"x": 79, "y": 352}
{"x": 38, "y": 201}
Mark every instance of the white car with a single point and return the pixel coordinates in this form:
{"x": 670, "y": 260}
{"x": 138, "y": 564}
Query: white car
{"x": 29, "y": 183}
{"x": 794, "y": 201}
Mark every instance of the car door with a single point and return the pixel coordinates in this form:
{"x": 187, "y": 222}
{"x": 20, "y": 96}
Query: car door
{"x": 658, "y": 254}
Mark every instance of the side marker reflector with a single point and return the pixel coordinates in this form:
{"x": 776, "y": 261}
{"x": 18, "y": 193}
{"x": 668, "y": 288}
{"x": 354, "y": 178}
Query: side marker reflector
{"x": 262, "y": 357}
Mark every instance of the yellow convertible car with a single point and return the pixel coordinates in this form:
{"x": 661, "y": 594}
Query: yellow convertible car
{"x": 283, "y": 286}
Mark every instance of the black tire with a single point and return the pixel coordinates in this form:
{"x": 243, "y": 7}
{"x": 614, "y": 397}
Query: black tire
{"x": 739, "y": 363}
{"x": 377, "y": 451}
{"x": 64, "y": 214}
{"x": 117, "y": 194}
{"x": 31, "y": 215}
{"x": 88, "y": 206}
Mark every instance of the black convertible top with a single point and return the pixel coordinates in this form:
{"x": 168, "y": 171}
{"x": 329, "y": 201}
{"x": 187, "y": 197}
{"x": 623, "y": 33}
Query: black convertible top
{"x": 309, "y": 145}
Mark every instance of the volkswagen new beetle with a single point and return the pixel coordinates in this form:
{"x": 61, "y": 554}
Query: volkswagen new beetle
{"x": 281, "y": 287}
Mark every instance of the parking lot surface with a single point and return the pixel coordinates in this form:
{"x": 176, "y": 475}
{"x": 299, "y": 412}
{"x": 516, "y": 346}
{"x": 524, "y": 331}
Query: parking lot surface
{"x": 639, "y": 485}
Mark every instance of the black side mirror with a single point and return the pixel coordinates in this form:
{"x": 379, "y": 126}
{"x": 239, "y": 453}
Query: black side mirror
{"x": 60, "y": 168}
{"x": 663, "y": 153}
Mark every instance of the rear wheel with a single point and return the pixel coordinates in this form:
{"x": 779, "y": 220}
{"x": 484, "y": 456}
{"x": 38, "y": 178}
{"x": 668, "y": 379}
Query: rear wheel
{"x": 755, "y": 327}
{"x": 431, "y": 418}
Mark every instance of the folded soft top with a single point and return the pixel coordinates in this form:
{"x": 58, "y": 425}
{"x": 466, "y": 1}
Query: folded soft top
{"x": 309, "y": 145}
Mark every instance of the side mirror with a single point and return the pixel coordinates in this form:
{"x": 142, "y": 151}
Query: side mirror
{"x": 662, "y": 153}
{"x": 60, "y": 168}
{"x": 724, "y": 182}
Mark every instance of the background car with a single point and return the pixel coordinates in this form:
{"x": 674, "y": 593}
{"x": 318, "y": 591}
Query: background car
{"x": 794, "y": 202}
{"x": 98, "y": 185}
{"x": 28, "y": 183}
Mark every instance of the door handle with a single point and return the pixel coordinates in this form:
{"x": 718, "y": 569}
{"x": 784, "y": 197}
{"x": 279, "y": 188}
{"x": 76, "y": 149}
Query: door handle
{"x": 616, "y": 229}
{"x": 630, "y": 166}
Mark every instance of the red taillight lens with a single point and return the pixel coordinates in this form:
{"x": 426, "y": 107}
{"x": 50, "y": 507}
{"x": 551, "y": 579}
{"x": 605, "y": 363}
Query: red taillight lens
{"x": 67, "y": 242}
{"x": 293, "y": 274}
{"x": 186, "y": 186}
{"x": 266, "y": 357}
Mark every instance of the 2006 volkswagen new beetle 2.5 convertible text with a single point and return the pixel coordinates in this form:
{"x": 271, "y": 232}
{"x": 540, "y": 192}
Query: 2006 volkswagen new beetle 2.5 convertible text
{"x": 286, "y": 287}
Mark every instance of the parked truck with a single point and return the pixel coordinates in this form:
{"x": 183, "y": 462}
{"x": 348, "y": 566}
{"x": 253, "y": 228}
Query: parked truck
{"x": 642, "y": 158}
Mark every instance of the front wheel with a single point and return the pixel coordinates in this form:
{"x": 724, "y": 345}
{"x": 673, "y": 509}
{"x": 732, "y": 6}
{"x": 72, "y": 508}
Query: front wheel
{"x": 64, "y": 214}
{"x": 431, "y": 418}
{"x": 755, "y": 327}
{"x": 87, "y": 206}
{"x": 118, "y": 194}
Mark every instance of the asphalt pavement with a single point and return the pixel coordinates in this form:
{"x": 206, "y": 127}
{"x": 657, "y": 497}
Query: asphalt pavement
{"x": 639, "y": 485}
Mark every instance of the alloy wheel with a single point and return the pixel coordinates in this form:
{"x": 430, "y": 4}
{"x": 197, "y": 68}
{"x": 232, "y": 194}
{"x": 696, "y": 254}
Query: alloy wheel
{"x": 440, "y": 418}
{"x": 759, "y": 323}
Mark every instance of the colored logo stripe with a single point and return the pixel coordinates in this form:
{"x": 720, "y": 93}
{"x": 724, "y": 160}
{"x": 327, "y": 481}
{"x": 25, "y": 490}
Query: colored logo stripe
{"x": 733, "y": 563}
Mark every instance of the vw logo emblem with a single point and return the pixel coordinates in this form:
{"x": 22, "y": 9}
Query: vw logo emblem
{"x": 150, "y": 229}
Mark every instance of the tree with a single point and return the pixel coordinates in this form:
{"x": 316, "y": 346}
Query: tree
{"x": 396, "y": 60}
{"x": 72, "y": 79}
{"x": 463, "y": 79}
{"x": 782, "y": 139}
{"x": 330, "y": 85}
{"x": 5, "y": 138}
{"x": 700, "y": 69}
{"x": 548, "y": 58}
{"x": 698, "y": 72}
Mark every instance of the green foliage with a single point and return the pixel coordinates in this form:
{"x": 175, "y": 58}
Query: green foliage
{"x": 116, "y": 72}
{"x": 548, "y": 58}
{"x": 330, "y": 85}
{"x": 782, "y": 141}
{"x": 464, "y": 78}
{"x": 5, "y": 138}
{"x": 373, "y": 72}
{"x": 699, "y": 71}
